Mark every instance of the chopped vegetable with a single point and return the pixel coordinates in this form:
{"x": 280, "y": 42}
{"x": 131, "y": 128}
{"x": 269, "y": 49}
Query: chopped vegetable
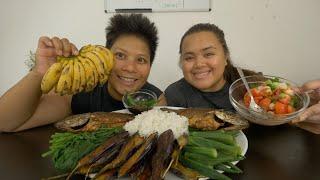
{"x": 68, "y": 148}
{"x": 209, "y": 152}
{"x": 274, "y": 97}
{"x": 265, "y": 103}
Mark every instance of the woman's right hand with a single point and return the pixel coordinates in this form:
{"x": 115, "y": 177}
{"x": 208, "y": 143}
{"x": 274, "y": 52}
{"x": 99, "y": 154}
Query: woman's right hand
{"x": 48, "y": 50}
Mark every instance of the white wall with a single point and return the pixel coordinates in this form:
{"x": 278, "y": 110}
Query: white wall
{"x": 277, "y": 37}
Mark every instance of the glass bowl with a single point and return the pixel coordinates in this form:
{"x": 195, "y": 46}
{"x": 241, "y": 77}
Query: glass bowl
{"x": 237, "y": 91}
{"x": 139, "y": 101}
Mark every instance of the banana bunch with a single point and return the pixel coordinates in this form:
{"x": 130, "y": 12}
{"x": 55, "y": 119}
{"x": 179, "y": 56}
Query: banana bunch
{"x": 79, "y": 73}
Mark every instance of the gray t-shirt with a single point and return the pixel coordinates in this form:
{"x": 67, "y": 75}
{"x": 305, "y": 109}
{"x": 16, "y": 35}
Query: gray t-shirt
{"x": 182, "y": 94}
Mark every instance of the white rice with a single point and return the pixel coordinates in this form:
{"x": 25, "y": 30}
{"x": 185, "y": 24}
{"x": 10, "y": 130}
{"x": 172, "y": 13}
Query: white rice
{"x": 159, "y": 121}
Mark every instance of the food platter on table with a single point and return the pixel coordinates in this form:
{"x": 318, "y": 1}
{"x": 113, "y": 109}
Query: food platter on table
{"x": 241, "y": 140}
{"x": 90, "y": 122}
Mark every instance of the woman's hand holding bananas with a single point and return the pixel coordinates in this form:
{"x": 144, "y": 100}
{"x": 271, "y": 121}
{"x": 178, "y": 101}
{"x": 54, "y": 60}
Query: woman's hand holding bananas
{"x": 70, "y": 72}
{"x": 48, "y": 50}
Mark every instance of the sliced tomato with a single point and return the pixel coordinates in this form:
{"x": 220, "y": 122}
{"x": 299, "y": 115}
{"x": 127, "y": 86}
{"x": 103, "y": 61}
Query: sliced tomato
{"x": 257, "y": 99}
{"x": 247, "y": 99}
{"x": 255, "y": 92}
{"x": 280, "y": 108}
{"x": 279, "y": 99}
{"x": 264, "y": 103}
{"x": 291, "y": 109}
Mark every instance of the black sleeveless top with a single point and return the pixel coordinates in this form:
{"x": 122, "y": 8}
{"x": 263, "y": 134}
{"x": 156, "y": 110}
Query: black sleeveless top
{"x": 100, "y": 100}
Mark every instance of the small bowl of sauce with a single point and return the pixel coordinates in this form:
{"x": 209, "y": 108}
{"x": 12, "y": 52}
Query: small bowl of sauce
{"x": 139, "y": 101}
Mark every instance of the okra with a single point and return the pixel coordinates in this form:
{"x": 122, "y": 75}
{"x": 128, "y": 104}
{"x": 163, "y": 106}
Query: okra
{"x": 205, "y": 170}
{"x": 233, "y": 133}
{"x": 218, "y": 136}
{"x": 225, "y": 159}
{"x": 228, "y": 169}
{"x": 231, "y": 165}
{"x": 199, "y": 158}
{"x": 202, "y": 142}
{"x": 208, "y": 152}
{"x": 212, "y": 161}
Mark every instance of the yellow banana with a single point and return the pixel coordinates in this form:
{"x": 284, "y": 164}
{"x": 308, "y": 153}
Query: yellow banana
{"x": 103, "y": 79}
{"x": 65, "y": 81}
{"x": 99, "y": 65}
{"x": 71, "y": 74}
{"x": 63, "y": 60}
{"x": 78, "y": 73}
{"x": 51, "y": 77}
{"x": 60, "y": 85}
{"x": 95, "y": 73}
{"x": 86, "y": 49}
{"x": 108, "y": 57}
{"x": 59, "y": 58}
{"x": 83, "y": 80}
{"x": 110, "y": 61}
{"x": 76, "y": 77}
{"x": 89, "y": 72}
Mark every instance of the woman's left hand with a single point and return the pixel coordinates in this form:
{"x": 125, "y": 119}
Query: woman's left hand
{"x": 312, "y": 113}
{"x": 310, "y": 118}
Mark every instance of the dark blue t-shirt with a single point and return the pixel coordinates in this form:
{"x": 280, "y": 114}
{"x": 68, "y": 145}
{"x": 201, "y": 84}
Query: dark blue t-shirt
{"x": 100, "y": 100}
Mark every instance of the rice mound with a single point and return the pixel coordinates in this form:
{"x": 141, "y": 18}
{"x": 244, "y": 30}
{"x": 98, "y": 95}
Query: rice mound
{"x": 158, "y": 121}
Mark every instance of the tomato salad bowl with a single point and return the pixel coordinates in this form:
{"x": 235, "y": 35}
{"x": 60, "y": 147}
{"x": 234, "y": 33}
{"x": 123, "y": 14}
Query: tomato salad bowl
{"x": 276, "y": 95}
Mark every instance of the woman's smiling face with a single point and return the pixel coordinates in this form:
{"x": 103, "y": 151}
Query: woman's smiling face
{"x": 203, "y": 61}
{"x": 132, "y": 65}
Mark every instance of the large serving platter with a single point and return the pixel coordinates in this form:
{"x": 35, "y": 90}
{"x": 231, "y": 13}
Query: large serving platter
{"x": 241, "y": 140}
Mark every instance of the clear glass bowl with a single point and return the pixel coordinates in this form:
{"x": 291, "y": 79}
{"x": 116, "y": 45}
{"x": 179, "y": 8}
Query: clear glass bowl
{"x": 237, "y": 91}
{"x": 139, "y": 101}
